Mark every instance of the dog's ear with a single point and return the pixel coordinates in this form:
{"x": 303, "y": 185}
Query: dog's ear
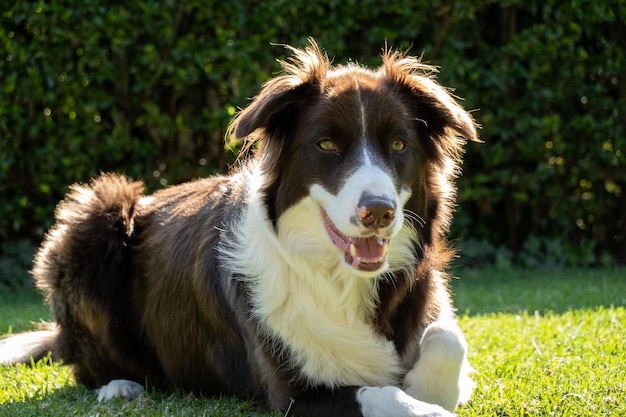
{"x": 274, "y": 111}
{"x": 437, "y": 114}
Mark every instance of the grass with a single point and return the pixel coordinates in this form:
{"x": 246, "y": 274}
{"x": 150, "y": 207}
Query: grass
{"x": 543, "y": 343}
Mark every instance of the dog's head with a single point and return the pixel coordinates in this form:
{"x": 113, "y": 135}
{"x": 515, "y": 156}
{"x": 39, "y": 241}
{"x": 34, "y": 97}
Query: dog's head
{"x": 369, "y": 151}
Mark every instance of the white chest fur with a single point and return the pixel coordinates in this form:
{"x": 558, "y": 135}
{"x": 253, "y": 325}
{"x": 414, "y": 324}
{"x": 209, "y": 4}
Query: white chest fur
{"x": 313, "y": 304}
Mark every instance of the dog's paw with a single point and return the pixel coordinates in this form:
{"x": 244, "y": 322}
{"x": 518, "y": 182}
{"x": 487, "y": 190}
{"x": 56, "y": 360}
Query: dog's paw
{"x": 119, "y": 388}
{"x": 393, "y": 402}
{"x": 440, "y": 376}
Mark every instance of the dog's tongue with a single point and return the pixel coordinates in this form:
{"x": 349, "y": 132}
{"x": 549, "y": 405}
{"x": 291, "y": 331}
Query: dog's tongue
{"x": 366, "y": 254}
{"x": 370, "y": 248}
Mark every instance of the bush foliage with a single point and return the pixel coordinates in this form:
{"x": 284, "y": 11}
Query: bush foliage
{"x": 148, "y": 88}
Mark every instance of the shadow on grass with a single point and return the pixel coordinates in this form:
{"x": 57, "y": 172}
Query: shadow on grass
{"x": 72, "y": 400}
{"x": 515, "y": 291}
{"x": 47, "y": 388}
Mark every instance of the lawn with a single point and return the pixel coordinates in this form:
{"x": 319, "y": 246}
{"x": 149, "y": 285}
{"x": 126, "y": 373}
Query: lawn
{"x": 543, "y": 343}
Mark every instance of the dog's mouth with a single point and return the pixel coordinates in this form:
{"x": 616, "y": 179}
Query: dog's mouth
{"x": 362, "y": 253}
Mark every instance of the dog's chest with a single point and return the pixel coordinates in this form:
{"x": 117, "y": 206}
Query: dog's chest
{"x": 317, "y": 312}
{"x": 328, "y": 341}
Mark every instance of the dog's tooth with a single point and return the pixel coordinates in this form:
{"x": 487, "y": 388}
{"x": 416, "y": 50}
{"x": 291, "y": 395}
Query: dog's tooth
{"x": 353, "y": 250}
{"x": 385, "y": 249}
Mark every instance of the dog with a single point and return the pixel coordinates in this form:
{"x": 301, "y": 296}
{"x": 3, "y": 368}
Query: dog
{"x": 310, "y": 278}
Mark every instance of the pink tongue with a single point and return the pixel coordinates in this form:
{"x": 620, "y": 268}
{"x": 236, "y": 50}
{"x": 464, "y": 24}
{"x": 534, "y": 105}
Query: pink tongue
{"x": 366, "y": 254}
{"x": 370, "y": 248}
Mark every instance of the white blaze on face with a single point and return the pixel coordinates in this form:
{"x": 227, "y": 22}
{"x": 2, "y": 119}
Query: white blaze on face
{"x": 342, "y": 208}
{"x": 361, "y": 107}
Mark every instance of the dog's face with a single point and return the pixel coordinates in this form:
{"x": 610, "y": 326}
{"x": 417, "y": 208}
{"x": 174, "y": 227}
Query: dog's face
{"x": 357, "y": 153}
{"x": 362, "y": 151}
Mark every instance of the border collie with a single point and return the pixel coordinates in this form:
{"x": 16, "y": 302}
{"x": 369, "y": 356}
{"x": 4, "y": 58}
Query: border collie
{"x": 310, "y": 278}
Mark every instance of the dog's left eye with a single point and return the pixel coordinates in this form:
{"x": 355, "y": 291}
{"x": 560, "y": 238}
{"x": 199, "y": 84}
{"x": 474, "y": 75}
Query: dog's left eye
{"x": 327, "y": 145}
{"x": 398, "y": 145}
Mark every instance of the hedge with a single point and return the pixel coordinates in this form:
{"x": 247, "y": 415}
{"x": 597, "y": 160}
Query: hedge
{"x": 148, "y": 87}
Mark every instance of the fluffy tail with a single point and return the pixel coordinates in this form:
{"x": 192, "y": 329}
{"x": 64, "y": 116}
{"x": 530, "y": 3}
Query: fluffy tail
{"x": 24, "y": 347}
{"x": 84, "y": 270}
{"x": 82, "y": 264}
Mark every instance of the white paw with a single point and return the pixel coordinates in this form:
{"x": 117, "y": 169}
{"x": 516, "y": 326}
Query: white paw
{"x": 119, "y": 388}
{"x": 393, "y": 402}
{"x": 440, "y": 374}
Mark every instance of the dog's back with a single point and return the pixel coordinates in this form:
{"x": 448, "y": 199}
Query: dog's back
{"x": 185, "y": 297}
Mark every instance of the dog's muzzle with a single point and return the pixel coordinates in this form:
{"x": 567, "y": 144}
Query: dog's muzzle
{"x": 362, "y": 253}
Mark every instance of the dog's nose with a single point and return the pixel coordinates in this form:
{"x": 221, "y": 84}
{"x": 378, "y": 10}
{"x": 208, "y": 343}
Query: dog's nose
{"x": 376, "y": 212}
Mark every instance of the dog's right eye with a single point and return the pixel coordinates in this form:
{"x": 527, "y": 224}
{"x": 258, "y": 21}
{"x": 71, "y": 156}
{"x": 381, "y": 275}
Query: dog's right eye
{"x": 398, "y": 145}
{"x": 327, "y": 145}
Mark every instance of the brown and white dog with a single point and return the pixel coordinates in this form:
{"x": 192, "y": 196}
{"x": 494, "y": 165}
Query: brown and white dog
{"x": 310, "y": 278}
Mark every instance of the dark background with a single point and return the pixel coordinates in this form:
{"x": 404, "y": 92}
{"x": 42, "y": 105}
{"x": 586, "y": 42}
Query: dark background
{"x": 148, "y": 88}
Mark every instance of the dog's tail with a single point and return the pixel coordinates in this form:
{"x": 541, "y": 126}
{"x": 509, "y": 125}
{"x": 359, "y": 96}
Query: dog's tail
{"x": 24, "y": 347}
{"x": 83, "y": 268}
{"x": 84, "y": 257}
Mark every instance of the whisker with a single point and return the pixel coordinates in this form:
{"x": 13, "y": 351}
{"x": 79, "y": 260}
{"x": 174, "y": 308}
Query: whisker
{"x": 412, "y": 217}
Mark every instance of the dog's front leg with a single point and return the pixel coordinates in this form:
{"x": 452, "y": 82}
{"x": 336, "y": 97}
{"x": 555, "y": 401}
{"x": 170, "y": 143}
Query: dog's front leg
{"x": 119, "y": 388}
{"x": 393, "y": 402}
{"x": 385, "y": 401}
{"x": 440, "y": 375}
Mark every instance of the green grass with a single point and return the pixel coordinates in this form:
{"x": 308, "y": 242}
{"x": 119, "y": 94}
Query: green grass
{"x": 543, "y": 343}
{"x": 19, "y": 310}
